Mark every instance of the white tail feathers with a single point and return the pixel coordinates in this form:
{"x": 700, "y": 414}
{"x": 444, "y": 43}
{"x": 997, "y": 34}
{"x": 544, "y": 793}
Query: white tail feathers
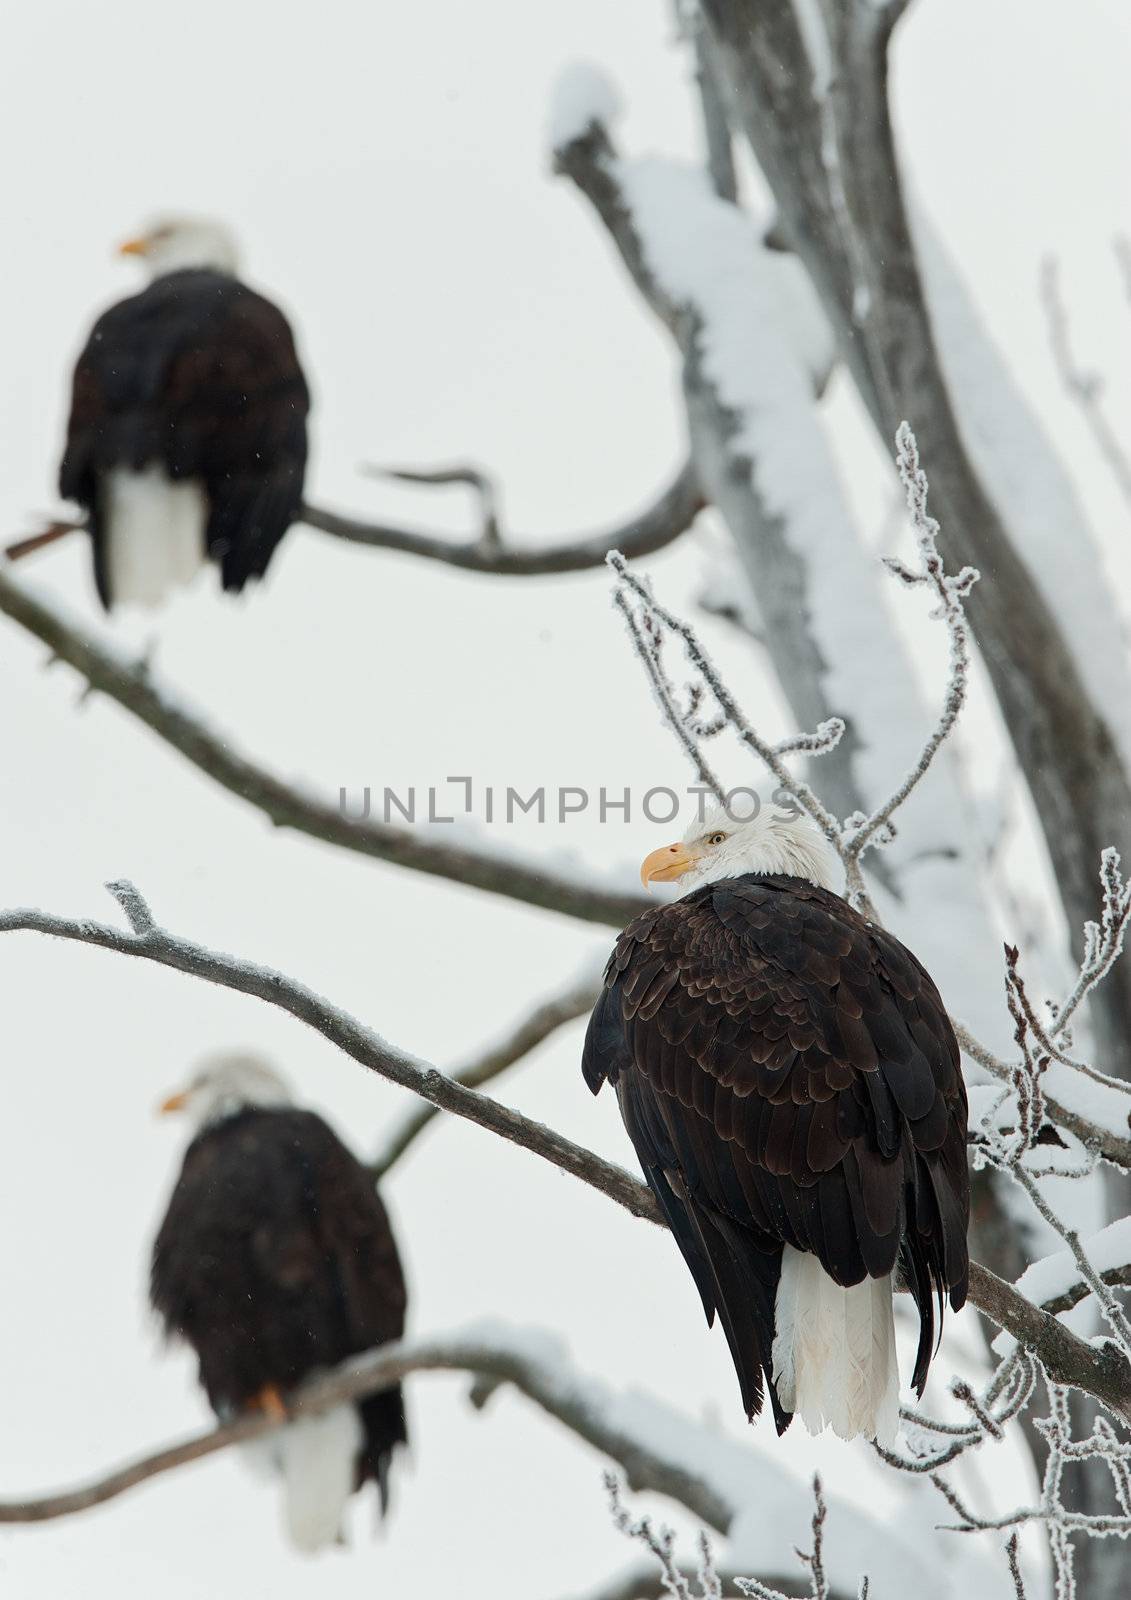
{"x": 834, "y": 1351}
{"x": 317, "y": 1458}
{"x": 154, "y": 530}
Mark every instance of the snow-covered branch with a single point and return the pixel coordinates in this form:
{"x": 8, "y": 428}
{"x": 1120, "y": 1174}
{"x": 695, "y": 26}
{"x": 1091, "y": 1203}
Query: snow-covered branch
{"x": 133, "y": 685}
{"x": 951, "y": 592}
{"x": 755, "y": 349}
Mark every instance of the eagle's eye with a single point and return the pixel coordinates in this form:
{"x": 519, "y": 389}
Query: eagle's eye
{"x": 716, "y": 838}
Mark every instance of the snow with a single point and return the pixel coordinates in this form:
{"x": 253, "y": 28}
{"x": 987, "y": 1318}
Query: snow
{"x": 772, "y": 1502}
{"x": 1055, "y": 1274}
{"x": 1019, "y": 464}
{"x": 1107, "y": 1108}
{"x": 709, "y": 254}
{"x": 815, "y": 34}
{"x": 583, "y": 95}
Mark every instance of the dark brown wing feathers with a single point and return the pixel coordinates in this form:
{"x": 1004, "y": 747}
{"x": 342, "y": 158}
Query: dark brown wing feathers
{"x": 788, "y": 1075}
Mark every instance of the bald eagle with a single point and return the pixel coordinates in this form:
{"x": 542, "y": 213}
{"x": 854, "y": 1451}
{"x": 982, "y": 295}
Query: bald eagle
{"x": 187, "y": 432}
{"x": 276, "y": 1260}
{"x": 791, "y": 1084}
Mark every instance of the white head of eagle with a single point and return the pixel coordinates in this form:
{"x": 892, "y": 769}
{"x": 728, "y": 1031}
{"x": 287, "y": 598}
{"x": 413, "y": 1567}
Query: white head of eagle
{"x": 225, "y": 1084}
{"x": 779, "y": 838}
{"x": 181, "y": 243}
{"x": 791, "y": 1083}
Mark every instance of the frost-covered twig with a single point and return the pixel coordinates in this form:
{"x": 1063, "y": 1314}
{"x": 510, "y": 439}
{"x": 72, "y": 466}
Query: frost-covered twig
{"x": 1085, "y": 387}
{"x": 951, "y": 592}
{"x": 134, "y": 686}
{"x": 1013, "y": 1558}
{"x": 708, "y": 682}
{"x": 1103, "y": 941}
{"x": 1026, "y": 1020}
{"x": 647, "y": 641}
{"x": 651, "y": 621}
{"x": 677, "y": 1582}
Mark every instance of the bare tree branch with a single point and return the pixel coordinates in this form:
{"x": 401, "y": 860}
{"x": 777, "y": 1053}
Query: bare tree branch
{"x": 652, "y": 529}
{"x": 661, "y": 523}
{"x": 133, "y": 685}
{"x": 349, "y": 1035}
{"x": 51, "y": 534}
{"x": 575, "y": 1001}
{"x": 485, "y": 487}
{"x": 1085, "y": 388}
{"x": 486, "y": 1355}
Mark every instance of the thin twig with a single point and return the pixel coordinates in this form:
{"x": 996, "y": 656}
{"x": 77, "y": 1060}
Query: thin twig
{"x": 485, "y": 486}
{"x": 575, "y": 1001}
{"x": 656, "y": 527}
{"x": 1086, "y": 388}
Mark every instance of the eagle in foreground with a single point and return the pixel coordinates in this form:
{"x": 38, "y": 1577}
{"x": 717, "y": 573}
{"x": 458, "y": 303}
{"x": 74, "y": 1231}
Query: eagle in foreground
{"x": 187, "y": 433}
{"x": 276, "y": 1260}
{"x": 791, "y": 1084}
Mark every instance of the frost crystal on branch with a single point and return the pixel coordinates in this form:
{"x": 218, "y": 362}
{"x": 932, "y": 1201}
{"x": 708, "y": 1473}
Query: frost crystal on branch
{"x": 952, "y": 592}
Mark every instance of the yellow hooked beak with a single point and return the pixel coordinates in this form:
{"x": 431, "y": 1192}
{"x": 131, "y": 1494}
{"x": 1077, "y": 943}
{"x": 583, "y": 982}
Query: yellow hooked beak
{"x": 134, "y": 247}
{"x": 175, "y": 1102}
{"x": 667, "y": 864}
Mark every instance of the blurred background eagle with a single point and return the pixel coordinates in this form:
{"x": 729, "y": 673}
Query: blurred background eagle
{"x": 276, "y": 1260}
{"x": 187, "y": 434}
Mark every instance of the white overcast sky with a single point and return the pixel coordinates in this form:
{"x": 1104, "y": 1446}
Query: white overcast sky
{"x": 385, "y": 169}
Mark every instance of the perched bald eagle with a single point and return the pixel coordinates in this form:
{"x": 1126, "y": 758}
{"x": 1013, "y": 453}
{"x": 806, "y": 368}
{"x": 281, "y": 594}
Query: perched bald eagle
{"x": 276, "y": 1260}
{"x": 791, "y": 1083}
{"x": 187, "y": 434}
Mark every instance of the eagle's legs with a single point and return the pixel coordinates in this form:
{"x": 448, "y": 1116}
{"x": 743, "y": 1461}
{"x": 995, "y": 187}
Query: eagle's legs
{"x": 270, "y": 1401}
